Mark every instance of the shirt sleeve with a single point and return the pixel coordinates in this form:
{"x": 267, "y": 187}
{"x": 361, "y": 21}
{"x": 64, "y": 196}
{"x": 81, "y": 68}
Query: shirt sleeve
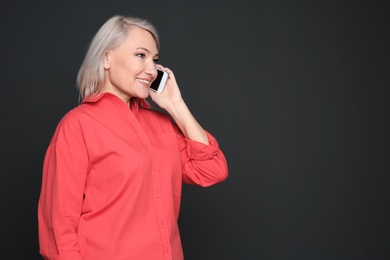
{"x": 63, "y": 181}
{"x": 203, "y": 165}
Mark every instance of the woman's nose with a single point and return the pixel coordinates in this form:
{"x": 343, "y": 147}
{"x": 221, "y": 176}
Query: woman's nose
{"x": 151, "y": 70}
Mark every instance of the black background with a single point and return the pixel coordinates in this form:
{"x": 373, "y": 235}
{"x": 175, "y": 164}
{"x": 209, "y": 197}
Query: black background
{"x": 296, "y": 92}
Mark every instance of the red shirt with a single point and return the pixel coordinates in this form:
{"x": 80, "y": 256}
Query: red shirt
{"x": 112, "y": 180}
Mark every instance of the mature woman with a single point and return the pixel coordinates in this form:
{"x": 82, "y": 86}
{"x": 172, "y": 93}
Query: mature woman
{"x": 114, "y": 169}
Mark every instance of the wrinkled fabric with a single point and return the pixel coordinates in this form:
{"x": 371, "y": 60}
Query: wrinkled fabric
{"x": 112, "y": 180}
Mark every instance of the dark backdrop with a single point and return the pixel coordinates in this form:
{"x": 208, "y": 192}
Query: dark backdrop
{"x": 297, "y": 93}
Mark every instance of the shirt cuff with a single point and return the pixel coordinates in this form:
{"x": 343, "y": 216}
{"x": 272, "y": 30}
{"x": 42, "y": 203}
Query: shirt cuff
{"x": 200, "y": 151}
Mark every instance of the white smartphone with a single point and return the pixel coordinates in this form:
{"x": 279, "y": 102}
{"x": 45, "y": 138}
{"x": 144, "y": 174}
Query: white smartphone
{"x": 159, "y": 83}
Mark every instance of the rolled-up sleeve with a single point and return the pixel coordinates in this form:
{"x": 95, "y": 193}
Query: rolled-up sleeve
{"x": 203, "y": 165}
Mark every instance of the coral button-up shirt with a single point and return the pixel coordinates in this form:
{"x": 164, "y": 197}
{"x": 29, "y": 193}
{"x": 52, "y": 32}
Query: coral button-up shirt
{"x": 112, "y": 180}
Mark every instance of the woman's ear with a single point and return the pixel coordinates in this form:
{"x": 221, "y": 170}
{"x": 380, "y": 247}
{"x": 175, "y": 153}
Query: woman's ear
{"x": 107, "y": 58}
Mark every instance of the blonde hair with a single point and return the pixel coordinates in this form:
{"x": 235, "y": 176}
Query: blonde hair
{"x": 112, "y": 34}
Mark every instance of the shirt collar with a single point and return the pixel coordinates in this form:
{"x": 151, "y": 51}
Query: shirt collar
{"x": 136, "y": 103}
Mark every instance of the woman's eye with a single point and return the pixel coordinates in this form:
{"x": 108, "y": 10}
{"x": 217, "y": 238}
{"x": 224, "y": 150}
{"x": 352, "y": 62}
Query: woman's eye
{"x": 141, "y": 55}
{"x": 155, "y": 61}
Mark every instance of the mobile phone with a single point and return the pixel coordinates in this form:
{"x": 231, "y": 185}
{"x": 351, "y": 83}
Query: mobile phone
{"x": 159, "y": 83}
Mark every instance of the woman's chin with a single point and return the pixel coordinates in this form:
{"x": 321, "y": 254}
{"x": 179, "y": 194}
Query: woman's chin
{"x": 143, "y": 94}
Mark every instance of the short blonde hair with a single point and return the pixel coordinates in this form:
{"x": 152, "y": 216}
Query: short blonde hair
{"x": 112, "y": 34}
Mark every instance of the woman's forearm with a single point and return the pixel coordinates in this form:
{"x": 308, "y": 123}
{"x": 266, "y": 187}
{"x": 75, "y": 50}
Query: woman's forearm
{"x": 187, "y": 122}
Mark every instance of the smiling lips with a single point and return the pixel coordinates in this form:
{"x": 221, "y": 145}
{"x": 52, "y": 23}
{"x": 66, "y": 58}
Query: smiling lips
{"x": 143, "y": 81}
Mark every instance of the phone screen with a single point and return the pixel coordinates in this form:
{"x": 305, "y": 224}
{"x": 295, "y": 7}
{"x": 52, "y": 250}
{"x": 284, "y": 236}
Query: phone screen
{"x": 156, "y": 83}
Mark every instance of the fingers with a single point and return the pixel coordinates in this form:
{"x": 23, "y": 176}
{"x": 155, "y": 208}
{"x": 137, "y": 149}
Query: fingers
{"x": 167, "y": 70}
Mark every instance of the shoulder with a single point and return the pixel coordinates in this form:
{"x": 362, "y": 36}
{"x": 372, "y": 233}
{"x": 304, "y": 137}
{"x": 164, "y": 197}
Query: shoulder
{"x": 71, "y": 121}
{"x": 157, "y": 115}
{"x": 73, "y": 115}
{"x": 67, "y": 128}
{"x": 158, "y": 120}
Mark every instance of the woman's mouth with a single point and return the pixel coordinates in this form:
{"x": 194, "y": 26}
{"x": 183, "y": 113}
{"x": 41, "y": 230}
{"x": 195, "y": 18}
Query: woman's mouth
{"x": 143, "y": 81}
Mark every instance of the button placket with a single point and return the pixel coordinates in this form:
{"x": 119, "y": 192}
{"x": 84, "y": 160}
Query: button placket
{"x": 158, "y": 203}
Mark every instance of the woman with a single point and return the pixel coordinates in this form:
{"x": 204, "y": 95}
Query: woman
{"x": 113, "y": 171}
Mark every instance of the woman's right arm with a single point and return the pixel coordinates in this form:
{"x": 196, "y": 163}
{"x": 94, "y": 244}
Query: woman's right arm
{"x": 63, "y": 181}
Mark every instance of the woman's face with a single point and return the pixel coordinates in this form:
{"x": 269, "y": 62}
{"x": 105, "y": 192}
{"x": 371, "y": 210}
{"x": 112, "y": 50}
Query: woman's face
{"x": 131, "y": 67}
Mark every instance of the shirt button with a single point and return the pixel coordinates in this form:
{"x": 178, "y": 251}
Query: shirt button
{"x": 163, "y": 222}
{"x": 157, "y": 196}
